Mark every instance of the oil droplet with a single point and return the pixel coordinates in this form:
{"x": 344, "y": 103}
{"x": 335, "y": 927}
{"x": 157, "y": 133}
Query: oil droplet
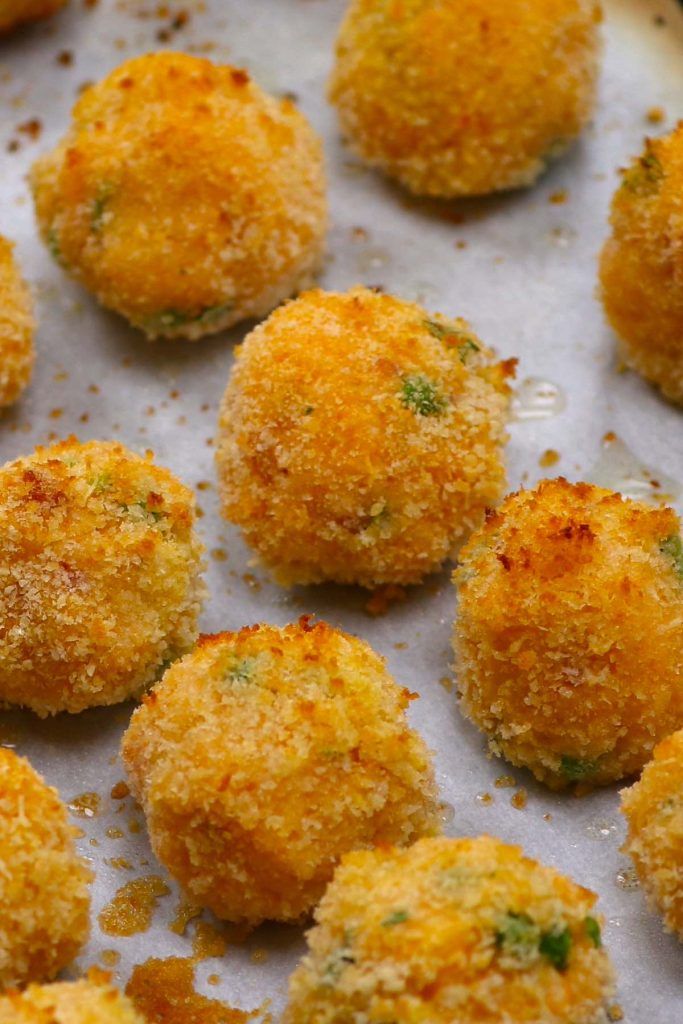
{"x": 601, "y": 830}
{"x": 504, "y": 782}
{"x": 519, "y": 799}
{"x": 446, "y": 812}
{"x": 131, "y": 909}
{"x": 110, "y": 957}
{"x": 372, "y": 259}
{"x": 163, "y": 992}
{"x": 259, "y": 956}
{"x": 627, "y": 879}
{"x": 119, "y": 863}
{"x": 550, "y": 457}
{"x": 114, "y": 833}
{"x": 87, "y": 805}
{"x": 485, "y": 799}
{"x": 620, "y": 470}
{"x": 214, "y": 979}
{"x": 536, "y": 399}
{"x": 615, "y": 1012}
{"x": 547, "y": 817}
{"x": 208, "y": 941}
{"x": 120, "y": 790}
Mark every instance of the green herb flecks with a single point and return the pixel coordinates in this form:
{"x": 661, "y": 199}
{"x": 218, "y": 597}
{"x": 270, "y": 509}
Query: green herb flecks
{"x": 397, "y": 917}
{"x": 672, "y": 547}
{"x": 646, "y": 175}
{"x": 555, "y": 946}
{"x": 575, "y": 769}
{"x": 171, "y": 319}
{"x": 422, "y": 396}
{"x": 143, "y": 506}
{"x": 522, "y": 940}
{"x": 241, "y": 670}
{"x": 54, "y": 247}
{"x": 99, "y": 207}
{"x": 340, "y": 959}
{"x": 593, "y": 931}
{"x": 101, "y": 483}
{"x": 463, "y": 339}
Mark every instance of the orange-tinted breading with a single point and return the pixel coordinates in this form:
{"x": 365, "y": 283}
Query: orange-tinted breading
{"x": 99, "y": 575}
{"x": 469, "y": 96}
{"x": 360, "y": 438}
{"x": 569, "y": 638}
{"x": 183, "y": 196}
{"x": 18, "y": 12}
{"x": 44, "y": 898}
{"x": 88, "y": 1001}
{"x": 452, "y": 930}
{"x": 641, "y": 268}
{"x": 654, "y": 810}
{"x": 266, "y": 754}
{"x": 17, "y": 326}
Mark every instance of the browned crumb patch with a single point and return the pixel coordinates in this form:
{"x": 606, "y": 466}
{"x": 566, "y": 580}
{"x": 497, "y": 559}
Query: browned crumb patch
{"x": 163, "y": 992}
{"x": 133, "y": 905}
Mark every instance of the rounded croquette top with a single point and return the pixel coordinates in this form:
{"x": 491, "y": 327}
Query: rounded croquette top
{"x": 569, "y": 630}
{"x": 100, "y": 575}
{"x": 642, "y": 263}
{"x": 465, "y": 97}
{"x": 44, "y": 900}
{"x": 296, "y": 740}
{"x": 452, "y": 929}
{"x": 17, "y": 326}
{"x": 370, "y": 461}
{"x": 88, "y": 1001}
{"x": 244, "y": 168}
{"x": 654, "y": 811}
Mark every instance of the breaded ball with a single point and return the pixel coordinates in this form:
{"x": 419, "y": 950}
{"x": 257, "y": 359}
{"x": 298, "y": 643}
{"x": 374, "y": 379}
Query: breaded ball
{"x": 17, "y": 326}
{"x": 465, "y": 930}
{"x": 469, "y": 96}
{"x": 360, "y": 438}
{"x": 44, "y": 898}
{"x": 19, "y": 12}
{"x": 89, "y": 1001}
{"x": 266, "y": 754}
{"x": 654, "y": 811}
{"x": 641, "y": 268}
{"x": 100, "y": 580}
{"x": 568, "y": 638}
{"x": 183, "y": 196}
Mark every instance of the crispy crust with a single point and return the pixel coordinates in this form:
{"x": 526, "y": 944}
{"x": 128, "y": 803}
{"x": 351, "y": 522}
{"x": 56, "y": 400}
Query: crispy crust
{"x": 641, "y": 267}
{"x": 654, "y": 810}
{"x": 568, "y": 638}
{"x": 239, "y": 224}
{"x": 264, "y": 755}
{"x": 100, "y": 575}
{"x": 44, "y": 898}
{"x": 88, "y": 1001}
{"x": 465, "y": 98}
{"x": 17, "y": 328}
{"x": 419, "y": 936}
{"x": 333, "y": 470}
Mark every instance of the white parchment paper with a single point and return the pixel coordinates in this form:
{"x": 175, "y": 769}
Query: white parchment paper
{"x": 525, "y": 278}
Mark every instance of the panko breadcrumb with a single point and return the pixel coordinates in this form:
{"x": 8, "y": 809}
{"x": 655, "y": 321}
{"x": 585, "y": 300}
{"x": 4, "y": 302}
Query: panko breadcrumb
{"x": 100, "y": 580}
{"x": 183, "y": 196}
{"x": 654, "y": 810}
{"x": 17, "y": 327}
{"x": 19, "y": 12}
{"x": 88, "y": 1001}
{"x": 465, "y": 930}
{"x": 44, "y": 898}
{"x": 465, "y": 97}
{"x": 641, "y": 268}
{"x": 568, "y": 638}
{"x": 266, "y": 754}
{"x": 360, "y": 438}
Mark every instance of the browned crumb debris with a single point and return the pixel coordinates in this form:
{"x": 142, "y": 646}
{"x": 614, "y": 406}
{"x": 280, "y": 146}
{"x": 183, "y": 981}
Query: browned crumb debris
{"x": 163, "y": 992}
{"x": 131, "y": 909}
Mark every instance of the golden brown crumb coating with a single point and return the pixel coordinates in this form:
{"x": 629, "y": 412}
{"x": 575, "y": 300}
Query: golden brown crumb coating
{"x": 17, "y": 327}
{"x": 641, "y": 268}
{"x": 465, "y": 97}
{"x": 44, "y": 898}
{"x": 100, "y": 575}
{"x": 266, "y": 754}
{"x": 465, "y": 930}
{"x": 654, "y": 811}
{"x": 568, "y": 637}
{"x": 88, "y": 1001}
{"x": 19, "y": 12}
{"x": 360, "y": 438}
{"x": 183, "y": 196}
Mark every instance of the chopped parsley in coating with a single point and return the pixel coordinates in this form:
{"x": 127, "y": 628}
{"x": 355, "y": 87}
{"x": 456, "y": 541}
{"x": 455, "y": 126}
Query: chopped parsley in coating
{"x": 422, "y": 396}
{"x": 672, "y": 547}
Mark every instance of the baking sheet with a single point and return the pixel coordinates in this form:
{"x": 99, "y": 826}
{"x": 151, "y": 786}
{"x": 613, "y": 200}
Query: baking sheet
{"x": 526, "y": 280}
